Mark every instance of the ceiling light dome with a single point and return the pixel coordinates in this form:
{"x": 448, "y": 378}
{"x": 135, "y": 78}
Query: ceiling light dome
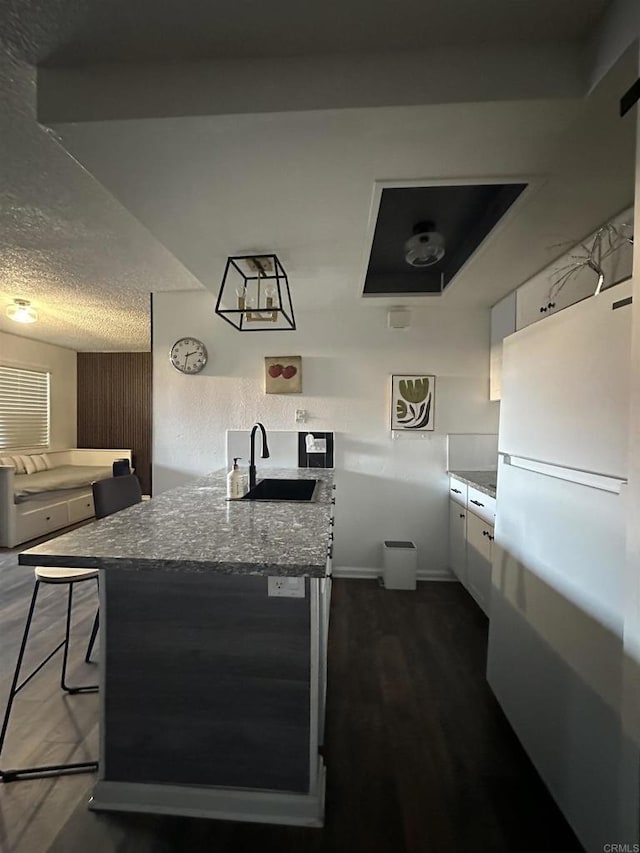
{"x": 22, "y": 312}
{"x": 426, "y": 247}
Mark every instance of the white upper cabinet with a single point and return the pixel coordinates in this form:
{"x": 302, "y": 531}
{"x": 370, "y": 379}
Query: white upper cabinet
{"x": 503, "y": 323}
{"x": 541, "y": 295}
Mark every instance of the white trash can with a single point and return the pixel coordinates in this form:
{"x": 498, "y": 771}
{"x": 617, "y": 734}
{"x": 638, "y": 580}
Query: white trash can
{"x": 399, "y": 564}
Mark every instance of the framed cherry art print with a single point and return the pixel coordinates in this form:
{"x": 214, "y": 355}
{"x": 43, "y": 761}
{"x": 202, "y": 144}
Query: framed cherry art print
{"x": 283, "y": 374}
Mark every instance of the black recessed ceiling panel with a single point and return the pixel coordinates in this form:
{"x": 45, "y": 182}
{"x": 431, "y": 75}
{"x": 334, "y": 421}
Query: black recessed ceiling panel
{"x": 464, "y": 215}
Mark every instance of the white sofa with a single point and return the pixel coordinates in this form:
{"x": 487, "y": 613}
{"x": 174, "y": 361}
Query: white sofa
{"x": 54, "y": 496}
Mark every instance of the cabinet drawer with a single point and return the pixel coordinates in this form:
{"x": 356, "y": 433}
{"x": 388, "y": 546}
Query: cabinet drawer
{"x": 81, "y": 508}
{"x": 39, "y": 522}
{"x": 483, "y": 505}
{"x": 458, "y": 491}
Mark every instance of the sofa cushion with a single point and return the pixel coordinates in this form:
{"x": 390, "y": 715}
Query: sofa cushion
{"x": 18, "y": 464}
{"x": 7, "y": 460}
{"x": 40, "y": 462}
{"x": 29, "y": 464}
{"x": 63, "y": 477}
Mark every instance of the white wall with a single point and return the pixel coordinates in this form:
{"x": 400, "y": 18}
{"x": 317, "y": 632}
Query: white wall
{"x": 387, "y": 488}
{"x": 24, "y": 352}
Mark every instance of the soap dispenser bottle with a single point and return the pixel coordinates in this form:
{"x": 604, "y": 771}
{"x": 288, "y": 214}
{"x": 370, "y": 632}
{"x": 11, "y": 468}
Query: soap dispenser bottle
{"x": 236, "y": 481}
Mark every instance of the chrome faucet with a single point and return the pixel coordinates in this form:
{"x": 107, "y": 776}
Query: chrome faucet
{"x": 265, "y": 452}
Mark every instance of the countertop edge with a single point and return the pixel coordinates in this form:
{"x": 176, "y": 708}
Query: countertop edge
{"x": 468, "y": 478}
{"x": 79, "y": 561}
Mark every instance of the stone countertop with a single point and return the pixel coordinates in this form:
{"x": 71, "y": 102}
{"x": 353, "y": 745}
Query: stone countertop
{"x": 483, "y": 481}
{"x": 193, "y": 528}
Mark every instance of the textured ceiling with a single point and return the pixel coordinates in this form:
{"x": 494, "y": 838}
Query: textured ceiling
{"x": 63, "y": 32}
{"x": 65, "y": 243}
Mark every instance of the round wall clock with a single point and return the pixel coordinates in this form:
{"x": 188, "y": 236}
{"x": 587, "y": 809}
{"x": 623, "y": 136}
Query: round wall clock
{"x": 188, "y": 355}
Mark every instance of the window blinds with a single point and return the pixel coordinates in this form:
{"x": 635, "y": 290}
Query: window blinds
{"x": 24, "y": 408}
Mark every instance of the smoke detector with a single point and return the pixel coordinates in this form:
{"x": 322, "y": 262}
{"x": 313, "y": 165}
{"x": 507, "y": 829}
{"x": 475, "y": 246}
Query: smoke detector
{"x": 426, "y": 247}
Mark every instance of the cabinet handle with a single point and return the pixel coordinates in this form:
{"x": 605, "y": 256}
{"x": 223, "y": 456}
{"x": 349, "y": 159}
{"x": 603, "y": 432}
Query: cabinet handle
{"x": 491, "y": 538}
{"x": 332, "y": 521}
{"x": 543, "y": 310}
{"x": 461, "y": 515}
{"x": 485, "y": 532}
{"x": 551, "y": 305}
{"x": 457, "y": 491}
{"x": 477, "y": 503}
{"x": 333, "y": 500}
{"x": 48, "y": 518}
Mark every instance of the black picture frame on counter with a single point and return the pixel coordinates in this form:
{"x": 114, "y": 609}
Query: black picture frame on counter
{"x": 315, "y": 458}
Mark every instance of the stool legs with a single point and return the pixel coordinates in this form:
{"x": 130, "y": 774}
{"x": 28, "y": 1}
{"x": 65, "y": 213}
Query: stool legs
{"x": 16, "y": 687}
{"x": 94, "y": 634}
{"x": 91, "y": 688}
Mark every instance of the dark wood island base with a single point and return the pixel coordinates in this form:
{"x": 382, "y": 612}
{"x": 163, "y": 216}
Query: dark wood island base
{"x": 210, "y": 698}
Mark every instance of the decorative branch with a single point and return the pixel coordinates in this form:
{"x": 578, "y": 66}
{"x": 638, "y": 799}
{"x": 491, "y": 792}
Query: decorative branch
{"x": 607, "y": 240}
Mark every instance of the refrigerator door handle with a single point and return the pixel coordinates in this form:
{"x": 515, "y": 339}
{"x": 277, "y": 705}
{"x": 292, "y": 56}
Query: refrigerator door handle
{"x": 594, "y": 480}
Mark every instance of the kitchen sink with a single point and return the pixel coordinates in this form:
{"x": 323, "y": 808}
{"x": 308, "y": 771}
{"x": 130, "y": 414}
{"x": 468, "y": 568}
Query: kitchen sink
{"x": 297, "y": 491}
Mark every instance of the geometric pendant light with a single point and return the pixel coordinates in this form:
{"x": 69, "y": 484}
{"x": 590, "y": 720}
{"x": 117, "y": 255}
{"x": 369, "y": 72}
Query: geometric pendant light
{"x": 254, "y": 294}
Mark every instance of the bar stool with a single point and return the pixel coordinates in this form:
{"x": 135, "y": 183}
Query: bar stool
{"x": 49, "y": 575}
{"x": 110, "y": 495}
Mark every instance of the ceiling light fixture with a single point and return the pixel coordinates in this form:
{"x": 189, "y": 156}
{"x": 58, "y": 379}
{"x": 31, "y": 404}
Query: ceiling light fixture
{"x": 22, "y": 312}
{"x": 426, "y": 247}
{"x": 254, "y": 294}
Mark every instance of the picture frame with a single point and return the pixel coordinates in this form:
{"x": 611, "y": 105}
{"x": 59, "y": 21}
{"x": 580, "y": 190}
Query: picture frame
{"x": 413, "y": 402}
{"x": 283, "y": 374}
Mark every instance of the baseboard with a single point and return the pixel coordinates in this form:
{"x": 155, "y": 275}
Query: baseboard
{"x": 363, "y": 573}
{"x": 200, "y": 801}
{"x": 356, "y": 573}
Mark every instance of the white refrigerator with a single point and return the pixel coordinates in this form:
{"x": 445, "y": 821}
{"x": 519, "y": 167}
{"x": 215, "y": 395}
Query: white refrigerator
{"x": 555, "y": 637}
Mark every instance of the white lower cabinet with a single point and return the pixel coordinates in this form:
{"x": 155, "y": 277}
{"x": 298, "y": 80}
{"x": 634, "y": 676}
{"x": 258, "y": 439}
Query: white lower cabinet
{"x": 458, "y": 540}
{"x": 479, "y": 542}
{"x": 470, "y": 545}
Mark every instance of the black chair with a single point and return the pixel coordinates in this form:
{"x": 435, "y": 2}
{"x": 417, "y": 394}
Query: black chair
{"x": 110, "y": 495}
{"x": 115, "y": 493}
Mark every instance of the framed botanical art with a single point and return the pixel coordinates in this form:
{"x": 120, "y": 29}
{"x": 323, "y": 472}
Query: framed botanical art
{"x": 283, "y": 374}
{"x": 412, "y": 401}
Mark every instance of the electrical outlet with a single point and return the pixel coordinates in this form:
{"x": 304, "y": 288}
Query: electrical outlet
{"x": 283, "y": 587}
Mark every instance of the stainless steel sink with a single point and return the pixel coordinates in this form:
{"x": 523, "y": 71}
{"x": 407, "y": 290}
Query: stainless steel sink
{"x": 296, "y": 491}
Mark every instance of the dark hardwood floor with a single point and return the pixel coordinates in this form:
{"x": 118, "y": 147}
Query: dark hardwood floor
{"x": 420, "y": 758}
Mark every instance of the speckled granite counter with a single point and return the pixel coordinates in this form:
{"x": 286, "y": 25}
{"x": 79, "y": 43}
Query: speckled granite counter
{"x": 484, "y": 481}
{"x": 193, "y": 528}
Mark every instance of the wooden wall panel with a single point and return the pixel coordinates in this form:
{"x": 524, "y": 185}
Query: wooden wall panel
{"x": 114, "y": 405}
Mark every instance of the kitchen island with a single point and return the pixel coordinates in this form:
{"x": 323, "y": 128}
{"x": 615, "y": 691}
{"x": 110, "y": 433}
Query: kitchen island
{"x": 212, "y": 678}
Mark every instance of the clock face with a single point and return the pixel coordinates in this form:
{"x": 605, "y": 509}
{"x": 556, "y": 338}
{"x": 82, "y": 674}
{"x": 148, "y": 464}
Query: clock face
{"x": 188, "y": 355}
